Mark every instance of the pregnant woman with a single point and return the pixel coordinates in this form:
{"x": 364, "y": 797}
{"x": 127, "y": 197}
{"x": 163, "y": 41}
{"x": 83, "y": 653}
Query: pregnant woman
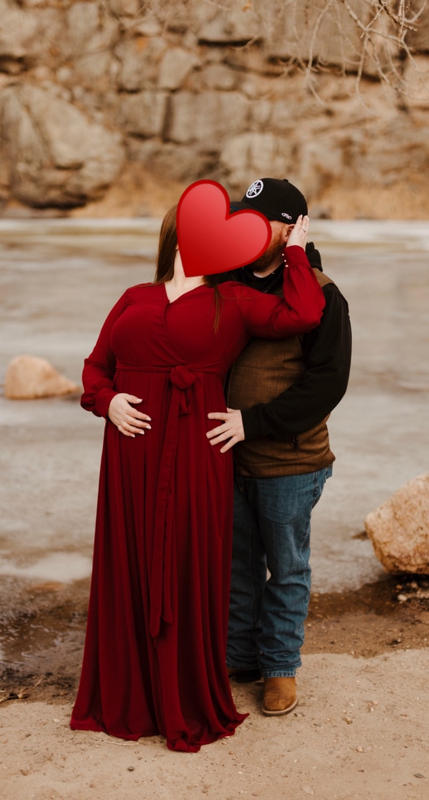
{"x": 154, "y": 654}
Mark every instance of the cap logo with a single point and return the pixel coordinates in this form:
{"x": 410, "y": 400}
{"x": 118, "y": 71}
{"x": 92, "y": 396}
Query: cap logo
{"x": 255, "y": 188}
{"x": 288, "y": 216}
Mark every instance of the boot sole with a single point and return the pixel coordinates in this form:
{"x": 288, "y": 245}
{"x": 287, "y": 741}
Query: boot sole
{"x": 278, "y": 713}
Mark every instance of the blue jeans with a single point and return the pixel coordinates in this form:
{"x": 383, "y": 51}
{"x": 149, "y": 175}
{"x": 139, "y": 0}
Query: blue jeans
{"x": 271, "y": 530}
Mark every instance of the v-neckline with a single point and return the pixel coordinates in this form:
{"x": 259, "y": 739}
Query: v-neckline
{"x": 170, "y": 302}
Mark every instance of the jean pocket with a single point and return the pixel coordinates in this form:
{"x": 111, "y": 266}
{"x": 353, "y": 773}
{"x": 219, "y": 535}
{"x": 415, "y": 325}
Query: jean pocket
{"x": 319, "y": 483}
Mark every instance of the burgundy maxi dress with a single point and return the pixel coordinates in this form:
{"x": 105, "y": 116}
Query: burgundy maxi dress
{"x": 154, "y": 653}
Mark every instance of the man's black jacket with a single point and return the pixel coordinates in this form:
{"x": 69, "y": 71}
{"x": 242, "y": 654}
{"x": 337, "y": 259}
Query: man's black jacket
{"x": 326, "y": 354}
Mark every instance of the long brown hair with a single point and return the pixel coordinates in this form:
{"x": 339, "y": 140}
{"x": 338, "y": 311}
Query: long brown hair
{"x": 167, "y": 253}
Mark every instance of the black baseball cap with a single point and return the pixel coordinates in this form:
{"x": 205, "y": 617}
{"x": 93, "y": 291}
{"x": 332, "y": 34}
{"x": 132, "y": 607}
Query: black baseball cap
{"x": 275, "y": 198}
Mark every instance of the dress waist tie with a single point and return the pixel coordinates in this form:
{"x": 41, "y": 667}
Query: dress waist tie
{"x": 182, "y": 378}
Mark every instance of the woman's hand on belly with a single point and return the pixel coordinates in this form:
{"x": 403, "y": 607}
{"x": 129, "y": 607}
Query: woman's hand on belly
{"x": 127, "y": 419}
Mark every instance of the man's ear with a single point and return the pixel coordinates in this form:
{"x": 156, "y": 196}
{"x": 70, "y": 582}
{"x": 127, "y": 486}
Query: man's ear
{"x": 287, "y": 232}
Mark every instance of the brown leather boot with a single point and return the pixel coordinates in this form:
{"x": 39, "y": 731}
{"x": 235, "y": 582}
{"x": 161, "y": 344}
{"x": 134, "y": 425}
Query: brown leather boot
{"x": 279, "y": 696}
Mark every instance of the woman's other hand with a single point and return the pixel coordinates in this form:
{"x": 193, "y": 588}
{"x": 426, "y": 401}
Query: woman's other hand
{"x": 127, "y": 419}
{"x": 299, "y": 233}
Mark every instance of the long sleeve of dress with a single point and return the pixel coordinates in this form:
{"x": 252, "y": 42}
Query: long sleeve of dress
{"x": 99, "y": 366}
{"x": 299, "y": 310}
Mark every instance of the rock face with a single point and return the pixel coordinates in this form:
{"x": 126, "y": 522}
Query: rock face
{"x": 56, "y": 155}
{"x": 399, "y": 529}
{"x": 28, "y": 377}
{"x": 188, "y": 90}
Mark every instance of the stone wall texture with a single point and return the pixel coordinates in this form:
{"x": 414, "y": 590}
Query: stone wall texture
{"x": 105, "y": 96}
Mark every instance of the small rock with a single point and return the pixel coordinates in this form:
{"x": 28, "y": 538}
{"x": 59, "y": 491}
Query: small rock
{"x": 47, "y": 586}
{"x": 399, "y": 529}
{"x": 130, "y": 769}
{"x": 28, "y": 377}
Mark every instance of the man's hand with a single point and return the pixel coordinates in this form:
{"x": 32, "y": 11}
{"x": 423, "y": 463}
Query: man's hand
{"x": 127, "y": 419}
{"x": 232, "y": 428}
{"x": 313, "y": 256}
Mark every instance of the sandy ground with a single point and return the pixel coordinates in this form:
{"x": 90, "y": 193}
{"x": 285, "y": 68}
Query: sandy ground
{"x": 361, "y": 729}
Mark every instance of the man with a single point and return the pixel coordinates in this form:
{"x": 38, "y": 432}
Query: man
{"x": 279, "y": 396}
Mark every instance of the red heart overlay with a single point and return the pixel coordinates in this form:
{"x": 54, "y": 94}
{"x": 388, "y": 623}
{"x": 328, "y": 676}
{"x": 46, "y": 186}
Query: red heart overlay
{"x": 211, "y": 239}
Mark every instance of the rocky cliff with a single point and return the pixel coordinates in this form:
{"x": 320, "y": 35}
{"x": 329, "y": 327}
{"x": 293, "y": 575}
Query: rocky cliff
{"x": 114, "y": 106}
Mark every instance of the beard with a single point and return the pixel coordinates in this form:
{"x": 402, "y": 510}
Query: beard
{"x": 272, "y": 252}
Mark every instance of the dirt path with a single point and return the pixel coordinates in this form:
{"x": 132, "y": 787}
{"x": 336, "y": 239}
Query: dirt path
{"x": 42, "y": 628}
{"x": 360, "y": 730}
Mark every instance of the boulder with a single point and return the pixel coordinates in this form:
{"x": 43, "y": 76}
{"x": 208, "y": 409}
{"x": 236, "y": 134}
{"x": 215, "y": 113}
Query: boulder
{"x": 240, "y": 24}
{"x": 143, "y": 113}
{"x": 18, "y": 38}
{"x": 260, "y": 88}
{"x": 145, "y": 25}
{"x": 321, "y": 159}
{"x": 206, "y": 116}
{"x": 28, "y": 377}
{"x": 187, "y": 16}
{"x": 388, "y": 152}
{"x": 248, "y": 156}
{"x": 175, "y": 66}
{"x": 139, "y": 58}
{"x": 88, "y": 37}
{"x": 83, "y": 21}
{"x": 399, "y": 529}
{"x": 56, "y": 154}
{"x": 127, "y": 8}
{"x": 218, "y": 76}
{"x": 320, "y": 32}
{"x": 316, "y": 31}
{"x": 416, "y": 82}
{"x": 181, "y": 163}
